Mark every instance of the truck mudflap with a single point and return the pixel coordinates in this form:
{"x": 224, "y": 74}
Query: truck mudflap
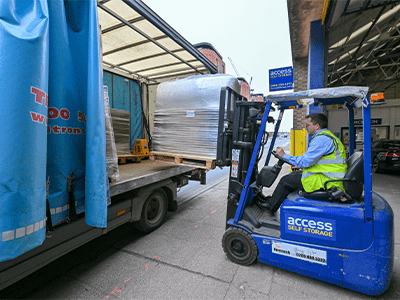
{"x": 52, "y": 119}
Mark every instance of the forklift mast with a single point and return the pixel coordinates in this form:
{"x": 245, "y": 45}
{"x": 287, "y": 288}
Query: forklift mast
{"x": 239, "y": 124}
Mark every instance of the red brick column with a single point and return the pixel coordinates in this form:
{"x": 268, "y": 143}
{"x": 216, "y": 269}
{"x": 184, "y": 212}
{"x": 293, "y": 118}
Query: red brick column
{"x": 300, "y": 83}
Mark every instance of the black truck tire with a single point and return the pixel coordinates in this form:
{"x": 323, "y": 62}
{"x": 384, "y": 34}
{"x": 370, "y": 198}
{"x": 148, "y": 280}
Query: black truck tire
{"x": 153, "y": 212}
{"x": 239, "y": 246}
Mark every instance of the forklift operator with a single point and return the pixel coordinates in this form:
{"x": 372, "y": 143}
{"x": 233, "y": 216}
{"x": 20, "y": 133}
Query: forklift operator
{"x": 325, "y": 159}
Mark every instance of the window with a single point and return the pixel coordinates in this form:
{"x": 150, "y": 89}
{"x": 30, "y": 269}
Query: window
{"x": 377, "y": 133}
{"x": 397, "y": 132}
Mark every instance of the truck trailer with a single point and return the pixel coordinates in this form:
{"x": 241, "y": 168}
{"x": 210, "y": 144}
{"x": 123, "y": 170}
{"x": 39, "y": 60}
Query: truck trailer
{"x": 55, "y": 57}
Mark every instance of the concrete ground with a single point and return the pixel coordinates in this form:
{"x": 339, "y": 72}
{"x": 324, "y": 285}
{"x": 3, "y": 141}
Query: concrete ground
{"x": 184, "y": 259}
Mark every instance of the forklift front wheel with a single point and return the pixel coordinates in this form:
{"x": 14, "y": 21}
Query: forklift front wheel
{"x": 239, "y": 246}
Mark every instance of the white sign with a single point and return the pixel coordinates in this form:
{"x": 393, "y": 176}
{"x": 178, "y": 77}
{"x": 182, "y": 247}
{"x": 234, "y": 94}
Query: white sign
{"x": 190, "y": 114}
{"x": 299, "y": 252}
{"x": 235, "y": 155}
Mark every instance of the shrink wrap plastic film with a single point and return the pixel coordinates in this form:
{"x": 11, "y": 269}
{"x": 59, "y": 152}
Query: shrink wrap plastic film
{"x": 111, "y": 149}
{"x": 187, "y": 112}
{"x": 121, "y": 126}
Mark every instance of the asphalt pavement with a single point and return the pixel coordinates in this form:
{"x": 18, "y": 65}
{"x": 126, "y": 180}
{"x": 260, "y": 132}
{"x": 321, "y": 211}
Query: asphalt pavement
{"x": 184, "y": 259}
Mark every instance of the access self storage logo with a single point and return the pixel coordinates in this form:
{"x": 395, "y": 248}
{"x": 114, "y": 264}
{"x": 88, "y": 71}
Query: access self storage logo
{"x": 280, "y": 72}
{"x": 311, "y": 226}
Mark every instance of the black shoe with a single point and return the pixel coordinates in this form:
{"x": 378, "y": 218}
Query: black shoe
{"x": 264, "y": 206}
{"x": 263, "y": 199}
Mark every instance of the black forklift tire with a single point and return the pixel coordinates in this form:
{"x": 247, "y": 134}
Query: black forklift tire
{"x": 239, "y": 246}
{"x": 375, "y": 165}
{"x": 153, "y": 212}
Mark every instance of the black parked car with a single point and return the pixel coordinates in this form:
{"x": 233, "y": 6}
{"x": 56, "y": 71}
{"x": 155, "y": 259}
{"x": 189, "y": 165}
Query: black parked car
{"x": 385, "y": 155}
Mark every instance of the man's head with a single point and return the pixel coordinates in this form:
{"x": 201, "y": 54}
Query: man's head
{"x": 315, "y": 122}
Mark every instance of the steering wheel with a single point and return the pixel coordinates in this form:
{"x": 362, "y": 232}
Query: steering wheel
{"x": 278, "y": 157}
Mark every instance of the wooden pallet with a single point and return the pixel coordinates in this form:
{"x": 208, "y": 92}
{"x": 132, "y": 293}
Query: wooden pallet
{"x": 111, "y": 180}
{"x": 123, "y": 159}
{"x": 184, "y": 160}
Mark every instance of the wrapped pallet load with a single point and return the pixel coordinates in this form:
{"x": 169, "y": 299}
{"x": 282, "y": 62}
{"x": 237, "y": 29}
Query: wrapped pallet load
{"x": 187, "y": 112}
{"x": 111, "y": 149}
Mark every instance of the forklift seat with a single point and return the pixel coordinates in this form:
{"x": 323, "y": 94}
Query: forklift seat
{"x": 353, "y": 183}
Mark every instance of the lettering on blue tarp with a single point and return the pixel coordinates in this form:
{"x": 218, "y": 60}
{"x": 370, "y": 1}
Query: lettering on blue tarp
{"x": 42, "y": 98}
{"x": 64, "y": 114}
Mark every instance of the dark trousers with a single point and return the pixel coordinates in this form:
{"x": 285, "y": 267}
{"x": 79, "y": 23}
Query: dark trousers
{"x": 288, "y": 183}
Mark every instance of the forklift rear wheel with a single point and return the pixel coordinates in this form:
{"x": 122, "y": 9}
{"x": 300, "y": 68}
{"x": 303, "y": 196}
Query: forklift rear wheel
{"x": 239, "y": 246}
{"x": 153, "y": 212}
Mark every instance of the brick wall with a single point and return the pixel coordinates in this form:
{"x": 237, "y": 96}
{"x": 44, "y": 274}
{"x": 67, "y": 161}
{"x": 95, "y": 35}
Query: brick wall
{"x": 214, "y": 57}
{"x": 299, "y": 84}
{"x": 258, "y": 98}
{"x": 245, "y": 89}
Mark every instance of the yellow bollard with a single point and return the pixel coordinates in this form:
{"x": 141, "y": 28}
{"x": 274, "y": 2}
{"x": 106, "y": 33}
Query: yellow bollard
{"x": 298, "y": 144}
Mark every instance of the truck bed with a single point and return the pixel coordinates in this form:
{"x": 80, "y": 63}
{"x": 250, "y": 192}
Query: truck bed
{"x": 135, "y": 175}
{"x": 69, "y": 236}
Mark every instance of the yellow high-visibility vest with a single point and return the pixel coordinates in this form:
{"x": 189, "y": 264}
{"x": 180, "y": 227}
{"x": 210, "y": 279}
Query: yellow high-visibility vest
{"x": 328, "y": 167}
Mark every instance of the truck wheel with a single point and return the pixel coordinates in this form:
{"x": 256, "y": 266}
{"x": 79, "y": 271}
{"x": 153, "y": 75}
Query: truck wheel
{"x": 153, "y": 212}
{"x": 239, "y": 246}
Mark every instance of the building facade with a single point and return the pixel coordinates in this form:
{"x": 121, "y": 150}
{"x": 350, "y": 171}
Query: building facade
{"x": 212, "y": 54}
{"x": 257, "y": 97}
{"x": 244, "y": 88}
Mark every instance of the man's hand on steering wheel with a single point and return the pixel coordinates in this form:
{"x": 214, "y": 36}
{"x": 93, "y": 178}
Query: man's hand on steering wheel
{"x": 280, "y": 151}
{"x": 281, "y": 161}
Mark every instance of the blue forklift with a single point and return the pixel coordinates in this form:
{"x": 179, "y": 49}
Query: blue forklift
{"x": 342, "y": 237}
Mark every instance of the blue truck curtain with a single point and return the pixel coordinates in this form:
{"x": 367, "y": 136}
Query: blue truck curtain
{"x": 51, "y": 118}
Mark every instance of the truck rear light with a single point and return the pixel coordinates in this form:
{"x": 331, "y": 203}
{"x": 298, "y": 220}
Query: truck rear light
{"x": 392, "y": 154}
